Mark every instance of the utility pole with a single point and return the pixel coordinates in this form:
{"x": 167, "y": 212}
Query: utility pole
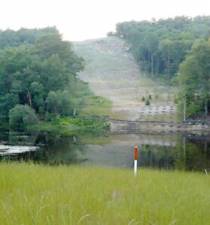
{"x": 184, "y": 149}
{"x": 184, "y": 110}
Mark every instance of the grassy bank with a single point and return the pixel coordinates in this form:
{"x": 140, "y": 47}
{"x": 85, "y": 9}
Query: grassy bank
{"x": 63, "y": 195}
{"x": 68, "y": 126}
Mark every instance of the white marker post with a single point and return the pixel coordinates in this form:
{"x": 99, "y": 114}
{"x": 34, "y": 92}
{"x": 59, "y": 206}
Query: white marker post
{"x": 135, "y": 159}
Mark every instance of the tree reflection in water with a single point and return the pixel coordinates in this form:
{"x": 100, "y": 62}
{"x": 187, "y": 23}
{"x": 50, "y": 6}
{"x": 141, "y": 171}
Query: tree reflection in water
{"x": 190, "y": 152}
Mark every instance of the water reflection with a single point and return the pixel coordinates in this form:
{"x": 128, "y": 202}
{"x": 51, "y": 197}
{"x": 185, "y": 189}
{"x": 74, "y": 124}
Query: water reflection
{"x": 168, "y": 151}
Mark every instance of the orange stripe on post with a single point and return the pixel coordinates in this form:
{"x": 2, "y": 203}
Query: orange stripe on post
{"x": 136, "y": 152}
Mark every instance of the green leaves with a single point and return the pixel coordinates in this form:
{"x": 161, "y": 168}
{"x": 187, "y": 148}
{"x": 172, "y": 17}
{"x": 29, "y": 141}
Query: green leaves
{"x": 160, "y": 46}
{"x": 194, "y": 77}
{"x": 38, "y": 76}
{"x": 21, "y": 117}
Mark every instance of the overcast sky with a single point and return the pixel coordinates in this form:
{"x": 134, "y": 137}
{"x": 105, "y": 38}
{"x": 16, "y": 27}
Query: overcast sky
{"x": 87, "y": 19}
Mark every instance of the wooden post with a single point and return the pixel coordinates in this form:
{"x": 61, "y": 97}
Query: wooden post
{"x": 135, "y": 159}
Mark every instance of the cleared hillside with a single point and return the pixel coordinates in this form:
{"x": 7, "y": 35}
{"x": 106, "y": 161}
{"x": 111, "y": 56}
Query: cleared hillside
{"x": 112, "y": 72}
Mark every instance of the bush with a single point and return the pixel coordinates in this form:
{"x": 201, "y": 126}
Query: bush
{"x": 147, "y": 102}
{"x": 21, "y": 117}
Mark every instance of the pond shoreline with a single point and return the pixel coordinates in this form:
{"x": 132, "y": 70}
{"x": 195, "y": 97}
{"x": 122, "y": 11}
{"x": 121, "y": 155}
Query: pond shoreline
{"x": 125, "y": 126}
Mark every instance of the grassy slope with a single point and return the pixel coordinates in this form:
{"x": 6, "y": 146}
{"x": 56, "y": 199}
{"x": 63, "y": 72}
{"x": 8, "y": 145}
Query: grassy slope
{"x": 43, "y": 195}
{"x": 112, "y": 73}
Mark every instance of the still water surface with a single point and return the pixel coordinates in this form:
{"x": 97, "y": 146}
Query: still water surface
{"x": 164, "y": 151}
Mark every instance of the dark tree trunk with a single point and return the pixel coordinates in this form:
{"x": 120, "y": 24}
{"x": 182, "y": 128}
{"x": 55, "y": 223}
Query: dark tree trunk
{"x": 29, "y": 98}
{"x": 206, "y": 108}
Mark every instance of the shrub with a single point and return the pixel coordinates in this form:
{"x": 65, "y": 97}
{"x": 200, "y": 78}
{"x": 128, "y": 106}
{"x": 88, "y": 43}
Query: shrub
{"x": 21, "y": 117}
{"x": 147, "y": 102}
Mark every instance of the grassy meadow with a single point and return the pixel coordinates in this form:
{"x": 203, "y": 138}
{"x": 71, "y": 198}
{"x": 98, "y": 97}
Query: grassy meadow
{"x": 43, "y": 195}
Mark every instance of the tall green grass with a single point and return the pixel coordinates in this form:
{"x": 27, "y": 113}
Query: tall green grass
{"x": 42, "y": 195}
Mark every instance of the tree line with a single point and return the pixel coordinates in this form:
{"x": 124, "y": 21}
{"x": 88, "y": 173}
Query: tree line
{"x": 174, "y": 49}
{"x": 38, "y": 77}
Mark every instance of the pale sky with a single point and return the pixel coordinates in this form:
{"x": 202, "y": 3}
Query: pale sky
{"x": 88, "y": 19}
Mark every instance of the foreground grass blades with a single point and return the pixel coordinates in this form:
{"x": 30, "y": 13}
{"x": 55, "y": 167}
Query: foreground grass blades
{"x": 33, "y": 194}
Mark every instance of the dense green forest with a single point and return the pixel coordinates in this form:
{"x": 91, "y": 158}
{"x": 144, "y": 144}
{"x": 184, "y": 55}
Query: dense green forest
{"x": 194, "y": 79}
{"x": 38, "y": 78}
{"x": 169, "y": 47}
{"x": 160, "y": 46}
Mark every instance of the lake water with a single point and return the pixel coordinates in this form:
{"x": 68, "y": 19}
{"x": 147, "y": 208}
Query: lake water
{"x": 163, "y": 151}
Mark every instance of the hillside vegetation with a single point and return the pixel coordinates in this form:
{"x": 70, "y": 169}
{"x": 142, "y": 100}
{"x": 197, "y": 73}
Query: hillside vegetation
{"x": 113, "y": 73}
{"x": 39, "y": 82}
{"x": 159, "y": 46}
{"x": 169, "y": 47}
